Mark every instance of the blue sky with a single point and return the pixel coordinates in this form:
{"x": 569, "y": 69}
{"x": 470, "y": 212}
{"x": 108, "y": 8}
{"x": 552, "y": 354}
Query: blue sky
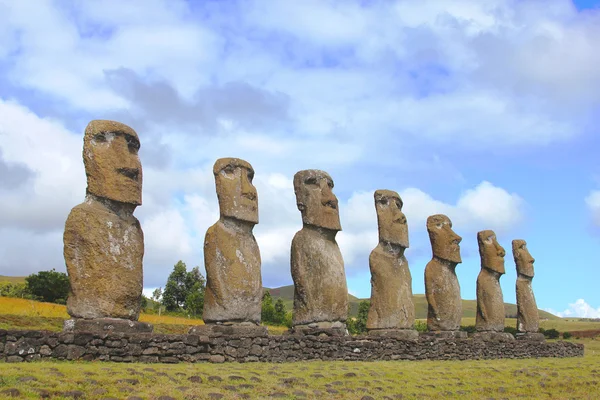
{"x": 485, "y": 111}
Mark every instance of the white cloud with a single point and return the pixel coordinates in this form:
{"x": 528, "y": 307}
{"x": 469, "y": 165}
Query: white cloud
{"x": 593, "y": 203}
{"x": 483, "y": 207}
{"x": 580, "y": 309}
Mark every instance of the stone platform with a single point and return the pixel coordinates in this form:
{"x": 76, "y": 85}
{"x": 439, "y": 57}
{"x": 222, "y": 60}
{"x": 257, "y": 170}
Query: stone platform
{"x": 402, "y": 334}
{"x": 101, "y": 325}
{"x": 16, "y": 346}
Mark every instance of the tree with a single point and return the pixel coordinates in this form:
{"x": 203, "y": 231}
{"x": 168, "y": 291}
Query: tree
{"x": 49, "y": 286}
{"x": 358, "y": 325}
{"x": 279, "y": 312}
{"x": 268, "y": 311}
{"x": 175, "y": 289}
{"x": 184, "y": 290}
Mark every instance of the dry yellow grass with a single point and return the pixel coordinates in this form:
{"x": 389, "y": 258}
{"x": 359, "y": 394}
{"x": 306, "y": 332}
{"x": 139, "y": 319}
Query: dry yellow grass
{"x": 31, "y": 308}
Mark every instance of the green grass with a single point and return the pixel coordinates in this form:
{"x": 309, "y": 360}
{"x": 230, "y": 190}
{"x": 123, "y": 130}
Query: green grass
{"x": 573, "y": 378}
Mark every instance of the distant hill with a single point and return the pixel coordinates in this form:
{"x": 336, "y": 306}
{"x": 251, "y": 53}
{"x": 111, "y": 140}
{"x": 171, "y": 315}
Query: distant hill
{"x": 286, "y": 293}
{"x": 12, "y": 279}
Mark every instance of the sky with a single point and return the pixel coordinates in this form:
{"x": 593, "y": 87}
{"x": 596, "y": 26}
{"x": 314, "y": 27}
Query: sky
{"x": 488, "y": 112}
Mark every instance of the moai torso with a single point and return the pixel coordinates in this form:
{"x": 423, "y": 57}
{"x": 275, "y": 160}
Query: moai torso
{"x": 231, "y": 254}
{"x": 320, "y": 289}
{"x": 234, "y": 285}
{"x": 528, "y": 319}
{"x": 103, "y": 241}
{"x": 103, "y": 252}
{"x": 392, "y": 304}
{"x": 490, "y": 302}
{"x": 442, "y": 290}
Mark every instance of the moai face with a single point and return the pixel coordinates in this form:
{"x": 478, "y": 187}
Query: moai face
{"x": 523, "y": 259}
{"x": 445, "y": 243}
{"x": 315, "y": 199}
{"x": 492, "y": 254}
{"x": 112, "y": 165}
{"x": 390, "y": 218}
{"x": 236, "y": 193}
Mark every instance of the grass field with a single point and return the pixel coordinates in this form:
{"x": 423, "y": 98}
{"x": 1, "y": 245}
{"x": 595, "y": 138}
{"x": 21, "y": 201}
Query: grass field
{"x": 30, "y": 314}
{"x": 573, "y": 378}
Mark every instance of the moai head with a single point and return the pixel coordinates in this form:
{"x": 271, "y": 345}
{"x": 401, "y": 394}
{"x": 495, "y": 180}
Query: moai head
{"x": 445, "y": 243}
{"x": 390, "y": 218}
{"x": 112, "y": 165}
{"x": 492, "y": 254}
{"x": 315, "y": 199}
{"x": 237, "y": 196}
{"x": 523, "y": 259}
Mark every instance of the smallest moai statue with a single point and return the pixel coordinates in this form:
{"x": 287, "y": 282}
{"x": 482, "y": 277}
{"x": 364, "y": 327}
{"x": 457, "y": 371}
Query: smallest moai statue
{"x": 528, "y": 319}
{"x": 489, "y": 322}
{"x": 392, "y": 311}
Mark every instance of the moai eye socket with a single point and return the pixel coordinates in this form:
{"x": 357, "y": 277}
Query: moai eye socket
{"x": 312, "y": 181}
{"x": 133, "y": 145}
{"x": 250, "y": 175}
{"x": 228, "y": 170}
{"x": 99, "y": 137}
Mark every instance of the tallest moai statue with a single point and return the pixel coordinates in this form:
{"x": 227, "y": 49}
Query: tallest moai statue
{"x": 103, "y": 241}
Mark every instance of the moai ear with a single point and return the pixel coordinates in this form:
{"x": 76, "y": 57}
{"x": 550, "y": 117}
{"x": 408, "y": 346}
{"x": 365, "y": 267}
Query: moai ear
{"x": 301, "y": 206}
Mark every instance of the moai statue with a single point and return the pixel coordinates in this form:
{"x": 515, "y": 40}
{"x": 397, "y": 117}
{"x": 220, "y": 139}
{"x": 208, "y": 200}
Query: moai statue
{"x": 231, "y": 256}
{"x": 489, "y": 321}
{"x": 442, "y": 290}
{"x": 392, "y": 311}
{"x": 103, "y": 241}
{"x": 320, "y": 289}
{"x": 528, "y": 319}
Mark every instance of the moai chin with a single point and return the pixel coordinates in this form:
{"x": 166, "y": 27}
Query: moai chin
{"x": 442, "y": 290}
{"x": 490, "y": 302}
{"x": 392, "y": 311}
{"x": 528, "y": 320}
{"x": 231, "y": 254}
{"x": 103, "y": 241}
{"x": 320, "y": 289}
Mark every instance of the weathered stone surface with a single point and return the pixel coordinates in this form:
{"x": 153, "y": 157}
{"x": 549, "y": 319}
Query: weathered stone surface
{"x": 132, "y": 347}
{"x": 103, "y": 241}
{"x": 320, "y": 289}
{"x": 536, "y": 337}
{"x": 442, "y": 289}
{"x": 391, "y": 283}
{"x": 106, "y": 325}
{"x": 216, "y": 330}
{"x": 401, "y": 334}
{"x": 493, "y": 336}
{"x": 231, "y": 254}
{"x": 490, "y": 302}
{"x": 528, "y": 319}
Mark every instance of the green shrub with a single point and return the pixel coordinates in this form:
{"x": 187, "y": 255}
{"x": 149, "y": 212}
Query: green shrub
{"x": 567, "y": 335}
{"x": 421, "y": 326}
{"x": 510, "y": 329}
{"x": 468, "y": 328}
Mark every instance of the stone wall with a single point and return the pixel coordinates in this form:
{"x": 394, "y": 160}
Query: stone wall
{"x": 17, "y": 346}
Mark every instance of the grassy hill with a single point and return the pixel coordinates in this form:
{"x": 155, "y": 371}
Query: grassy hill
{"x": 286, "y": 293}
{"x": 12, "y": 279}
